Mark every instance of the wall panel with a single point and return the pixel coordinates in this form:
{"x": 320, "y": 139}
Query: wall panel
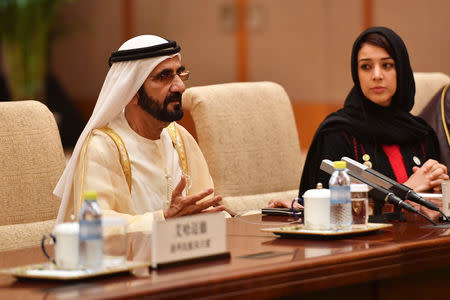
{"x": 92, "y": 29}
{"x": 305, "y": 46}
{"x": 424, "y": 26}
{"x": 208, "y": 47}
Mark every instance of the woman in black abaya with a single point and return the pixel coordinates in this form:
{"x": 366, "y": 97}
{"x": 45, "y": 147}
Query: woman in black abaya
{"x": 375, "y": 127}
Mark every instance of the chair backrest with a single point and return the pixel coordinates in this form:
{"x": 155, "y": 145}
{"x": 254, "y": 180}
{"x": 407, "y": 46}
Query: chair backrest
{"x": 427, "y": 85}
{"x": 248, "y": 135}
{"x": 31, "y": 162}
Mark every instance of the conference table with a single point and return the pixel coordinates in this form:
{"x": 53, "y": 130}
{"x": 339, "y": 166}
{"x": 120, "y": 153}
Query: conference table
{"x": 408, "y": 260}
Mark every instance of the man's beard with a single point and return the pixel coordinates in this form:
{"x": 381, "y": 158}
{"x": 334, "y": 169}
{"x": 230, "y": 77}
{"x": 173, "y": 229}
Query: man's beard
{"x": 158, "y": 111}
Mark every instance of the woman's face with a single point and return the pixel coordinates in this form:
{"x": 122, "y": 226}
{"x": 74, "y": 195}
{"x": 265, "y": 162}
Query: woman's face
{"x": 377, "y": 74}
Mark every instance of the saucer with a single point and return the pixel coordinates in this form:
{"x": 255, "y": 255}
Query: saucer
{"x": 48, "y": 271}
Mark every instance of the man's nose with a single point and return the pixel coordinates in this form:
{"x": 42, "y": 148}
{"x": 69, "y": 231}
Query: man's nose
{"x": 177, "y": 85}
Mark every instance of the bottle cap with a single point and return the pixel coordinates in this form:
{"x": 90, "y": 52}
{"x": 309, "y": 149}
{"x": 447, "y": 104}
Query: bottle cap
{"x": 90, "y": 195}
{"x": 340, "y": 164}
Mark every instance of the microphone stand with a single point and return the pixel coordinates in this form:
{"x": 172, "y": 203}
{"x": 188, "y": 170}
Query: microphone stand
{"x": 379, "y": 193}
{"x": 385, "y": 217}
{"x": 401, "y": 190}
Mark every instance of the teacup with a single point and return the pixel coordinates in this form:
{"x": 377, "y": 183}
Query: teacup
{"x": 65, "y": 237}
{"x": 317, "y": 209}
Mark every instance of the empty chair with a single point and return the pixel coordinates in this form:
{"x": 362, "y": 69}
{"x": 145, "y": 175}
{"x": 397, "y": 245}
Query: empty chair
{"x": 31, "y": 162}
{"x": 248, "y": 135}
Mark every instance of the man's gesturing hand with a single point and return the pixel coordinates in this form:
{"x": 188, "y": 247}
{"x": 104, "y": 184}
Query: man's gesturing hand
{"x": 187, "y": 205}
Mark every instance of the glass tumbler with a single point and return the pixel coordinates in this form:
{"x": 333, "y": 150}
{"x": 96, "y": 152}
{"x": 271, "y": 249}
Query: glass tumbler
{"x": 360, "y": 203}
{"x": 114, "y": 241}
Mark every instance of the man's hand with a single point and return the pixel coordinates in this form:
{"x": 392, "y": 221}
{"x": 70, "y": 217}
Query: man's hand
{"x": 429, "y": 176}
{"x": 182, "y": 206}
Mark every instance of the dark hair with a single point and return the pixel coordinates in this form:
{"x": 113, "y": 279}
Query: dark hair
{"x": 378, "y": 40}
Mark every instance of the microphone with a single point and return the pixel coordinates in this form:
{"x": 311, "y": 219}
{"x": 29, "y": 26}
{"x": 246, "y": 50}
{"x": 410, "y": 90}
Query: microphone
{"x": 378, "y": 192}
{"x": 397, "y": 188}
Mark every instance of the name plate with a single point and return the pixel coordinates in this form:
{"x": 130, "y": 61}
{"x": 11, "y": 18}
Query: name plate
{"x": 188, "y": 238}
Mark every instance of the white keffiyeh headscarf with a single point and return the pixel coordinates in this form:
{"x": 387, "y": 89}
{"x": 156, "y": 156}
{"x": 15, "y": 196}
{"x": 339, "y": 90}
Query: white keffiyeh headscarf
{"x": 121, "y": 84}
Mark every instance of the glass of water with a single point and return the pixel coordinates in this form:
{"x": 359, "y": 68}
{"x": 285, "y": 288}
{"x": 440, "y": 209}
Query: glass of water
{"x": 114, "y": 241}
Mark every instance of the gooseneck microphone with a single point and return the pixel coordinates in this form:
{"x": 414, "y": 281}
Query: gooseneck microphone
{"x": 401, "y": 190}
{"x": 379, "y": 193}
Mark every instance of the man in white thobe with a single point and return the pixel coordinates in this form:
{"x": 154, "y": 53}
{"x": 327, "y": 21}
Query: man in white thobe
{"x": 142, "y": 164}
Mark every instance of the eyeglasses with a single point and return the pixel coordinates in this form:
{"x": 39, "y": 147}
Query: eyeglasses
{"x": 167, "y": 78}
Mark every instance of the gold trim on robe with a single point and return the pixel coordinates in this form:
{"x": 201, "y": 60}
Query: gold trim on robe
{"x": 124, "y": 158}
{"x": 444, "y": 122}
{"x": 178, "y": 143}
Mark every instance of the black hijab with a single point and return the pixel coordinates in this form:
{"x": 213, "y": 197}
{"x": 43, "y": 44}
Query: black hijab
{"x": 371, "y": 122}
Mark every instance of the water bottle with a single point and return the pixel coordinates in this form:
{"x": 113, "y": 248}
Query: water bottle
{"x": 90, "y": 236}
{"x": 340, "y": 199}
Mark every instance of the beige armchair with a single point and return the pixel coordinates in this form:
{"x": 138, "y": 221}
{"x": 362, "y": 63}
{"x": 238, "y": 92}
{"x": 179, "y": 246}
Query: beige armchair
{"x": 427, "y": 85}
{"x": 31, "y": 162}
{"x": 248, "y": 135}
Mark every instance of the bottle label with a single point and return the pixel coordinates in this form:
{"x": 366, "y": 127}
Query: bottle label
{"x": 339, "y": 194}
{"x": 90, "y": 230}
